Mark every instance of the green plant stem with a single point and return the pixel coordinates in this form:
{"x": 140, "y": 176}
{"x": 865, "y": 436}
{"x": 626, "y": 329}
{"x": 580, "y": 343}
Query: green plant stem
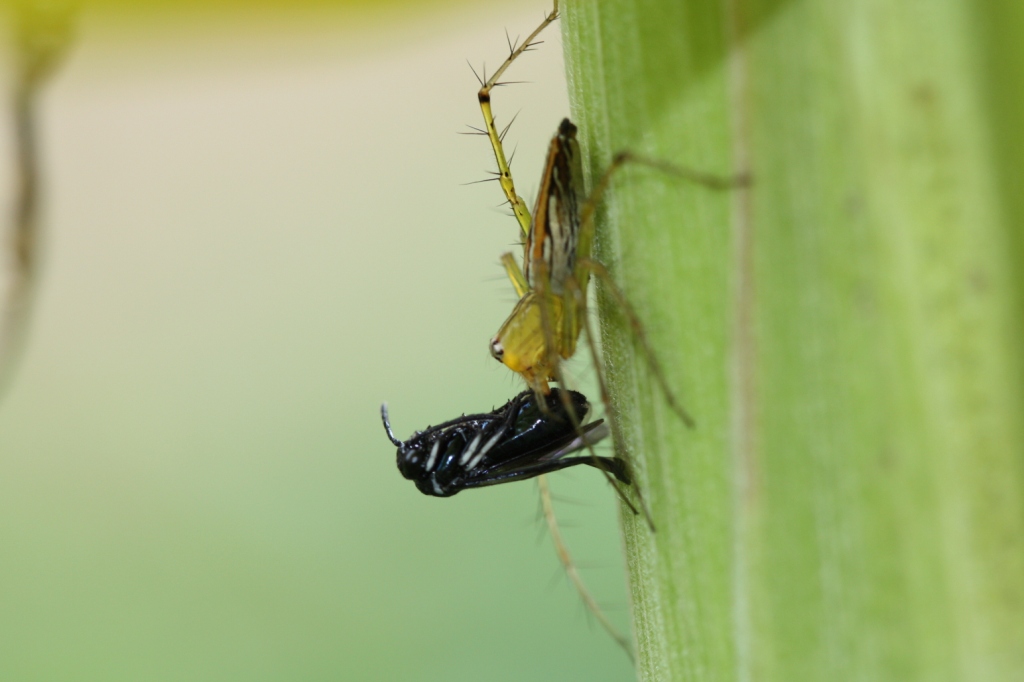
{"x": 847, "y": 333}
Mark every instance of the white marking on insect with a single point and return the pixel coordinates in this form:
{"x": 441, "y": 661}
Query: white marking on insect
{"x": 471, "y": 449}
{"x": 437, "y": 489}
{"x": 487, "y": 446}
{"x": 433, "y": 455}
{"x": 490, "y": 444}
{"x": 592, "y": 436}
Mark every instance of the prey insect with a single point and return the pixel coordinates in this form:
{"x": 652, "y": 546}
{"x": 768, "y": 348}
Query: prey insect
{"x": 525, "y": 438}
{"x": 519, "y": 440}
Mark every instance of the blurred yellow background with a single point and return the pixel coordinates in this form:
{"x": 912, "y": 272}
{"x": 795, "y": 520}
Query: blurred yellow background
{"x": 255, "y": 232}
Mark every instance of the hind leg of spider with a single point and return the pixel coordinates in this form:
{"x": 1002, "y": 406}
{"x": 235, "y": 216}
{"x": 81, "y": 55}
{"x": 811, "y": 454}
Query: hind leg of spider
{"x": 559, "y": 331}
{"x": 586, "y": 266}
{"x": 554, "y": 328}
{"x": 601, "y": 272}
{"x": 622, "y": 160}
{"x": 519, "y": 208}
{"x": 615, "y": 470}
{"x": 611, "y": 413}
{"x": 625, "y": 158}
{"x": 548, "y": 508}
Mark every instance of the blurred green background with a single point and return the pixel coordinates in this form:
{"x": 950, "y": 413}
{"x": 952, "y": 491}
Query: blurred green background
{"x": 255, "y": 233}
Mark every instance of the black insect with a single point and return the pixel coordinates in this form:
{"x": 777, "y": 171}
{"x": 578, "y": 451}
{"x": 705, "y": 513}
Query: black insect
{"x": 514, "y": 442}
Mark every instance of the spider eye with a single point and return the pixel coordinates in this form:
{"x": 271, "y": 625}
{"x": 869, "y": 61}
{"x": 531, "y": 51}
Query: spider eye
{"x": 497, "y": 350}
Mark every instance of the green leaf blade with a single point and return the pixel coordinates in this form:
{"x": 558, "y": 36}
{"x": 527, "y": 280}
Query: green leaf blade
{"x": 846, "y": 333}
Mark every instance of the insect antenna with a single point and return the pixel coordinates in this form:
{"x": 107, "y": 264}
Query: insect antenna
{"x": 387, "y": 425}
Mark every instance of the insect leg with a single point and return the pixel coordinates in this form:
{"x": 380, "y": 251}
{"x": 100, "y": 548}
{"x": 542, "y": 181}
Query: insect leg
{"x": 484, "y": 96}
{"x": 608, "y": 465}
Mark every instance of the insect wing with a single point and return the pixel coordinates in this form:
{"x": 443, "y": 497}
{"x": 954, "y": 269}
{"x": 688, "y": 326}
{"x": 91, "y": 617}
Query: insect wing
{"x": 553, "y": 450}
{"x": 541, "y": 442}
{"x": 538, "y": 434}
{"x": 592, "y": 435}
